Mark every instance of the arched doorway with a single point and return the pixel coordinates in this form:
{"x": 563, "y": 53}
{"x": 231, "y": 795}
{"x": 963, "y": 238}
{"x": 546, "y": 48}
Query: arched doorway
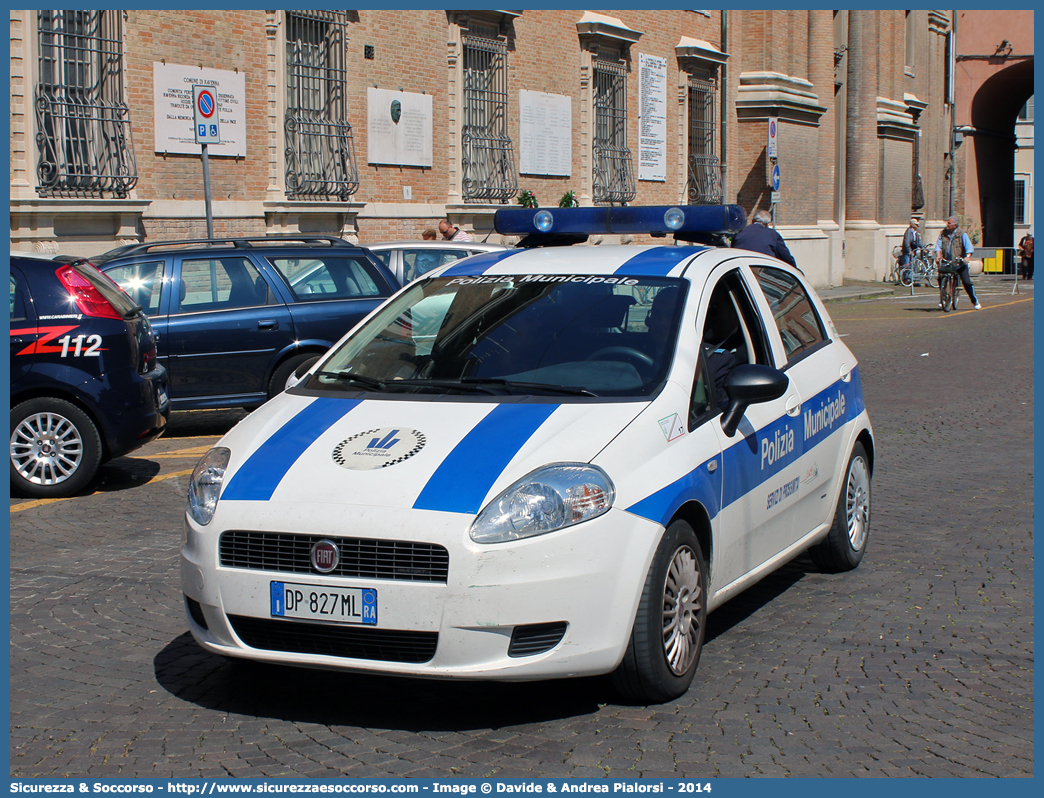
{"x": 994, "y": 111}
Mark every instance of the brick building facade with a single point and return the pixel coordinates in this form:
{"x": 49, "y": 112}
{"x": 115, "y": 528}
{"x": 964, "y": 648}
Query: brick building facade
{"x": 860, "y": 98}
{"x": 993, "y": 80}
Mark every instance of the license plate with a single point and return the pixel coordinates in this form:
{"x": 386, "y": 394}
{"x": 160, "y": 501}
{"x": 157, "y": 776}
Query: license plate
{"x": 161, "y": 395}
{"x": 338, "y": 604}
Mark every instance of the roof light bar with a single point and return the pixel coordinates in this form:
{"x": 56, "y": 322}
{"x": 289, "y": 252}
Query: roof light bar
{"x": 652, "y": 220}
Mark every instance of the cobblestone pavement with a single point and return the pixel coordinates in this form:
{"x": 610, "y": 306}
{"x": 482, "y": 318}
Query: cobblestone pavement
{"x": 918, "y": 663}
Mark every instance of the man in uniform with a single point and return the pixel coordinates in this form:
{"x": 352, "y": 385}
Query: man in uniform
{"x": 759, "y": 237}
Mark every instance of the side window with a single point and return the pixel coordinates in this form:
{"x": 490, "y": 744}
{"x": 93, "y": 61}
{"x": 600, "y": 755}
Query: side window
{"x": 312, "y": 279}
{"x": 143, "y": 282}
{"x": 220, "y": 284}
{"x": 418, "y": 262}
{"x": 17, "y": 297}
{"x": 731, "y": 336}
{"x": 799, "y": 325}
{"x": 384, "y": 256}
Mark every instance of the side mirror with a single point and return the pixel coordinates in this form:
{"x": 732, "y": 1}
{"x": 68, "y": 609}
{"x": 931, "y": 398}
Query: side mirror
{"x": 749, "y": 385}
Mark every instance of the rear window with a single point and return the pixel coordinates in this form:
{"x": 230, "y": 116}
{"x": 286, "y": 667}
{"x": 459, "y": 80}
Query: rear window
{"x": 314, "y": 278}
{"x": 108, "y": 288}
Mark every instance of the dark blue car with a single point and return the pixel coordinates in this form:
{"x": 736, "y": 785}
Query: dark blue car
{"x": 86, "y": 385}
{"x": 236, "y": 319}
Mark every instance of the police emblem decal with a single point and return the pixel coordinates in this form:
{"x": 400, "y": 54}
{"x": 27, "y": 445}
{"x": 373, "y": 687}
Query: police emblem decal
{"x": 378, "y": 448}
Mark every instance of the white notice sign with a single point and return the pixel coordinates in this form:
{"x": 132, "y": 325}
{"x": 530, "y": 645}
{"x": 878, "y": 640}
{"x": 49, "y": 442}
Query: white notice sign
{"x": 652, "y": 118}
{"x": 545, "y": 123}
{"x": 174, "y": 112}
{"x": 398, "y": 128}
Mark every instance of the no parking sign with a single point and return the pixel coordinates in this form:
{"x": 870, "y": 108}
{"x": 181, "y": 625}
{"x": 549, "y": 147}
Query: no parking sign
{"x": 204, "y": 104}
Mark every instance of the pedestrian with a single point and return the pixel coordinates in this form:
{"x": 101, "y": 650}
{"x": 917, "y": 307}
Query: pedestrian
{"x": 759, "y": 237}
{"x": 911, "y": 242}
{"x": 1026, "y": 253}
{"x": 428, "y": 235}
{"x": 450, "y": 232}
{"x": 954, "y": 245}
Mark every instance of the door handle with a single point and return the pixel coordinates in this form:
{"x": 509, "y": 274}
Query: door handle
{"x": 267, "y": 324}
{"x": 846, "y": 373}
{"x": 793, "y": 406}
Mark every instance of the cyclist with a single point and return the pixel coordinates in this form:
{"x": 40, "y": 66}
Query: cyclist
{"x": 954, "y": 245}
{"x": 911, "y": 243}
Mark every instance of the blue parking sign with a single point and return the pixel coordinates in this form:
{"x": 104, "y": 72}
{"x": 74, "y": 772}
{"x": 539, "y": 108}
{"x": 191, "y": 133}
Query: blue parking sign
{"x": 202, "y": 130}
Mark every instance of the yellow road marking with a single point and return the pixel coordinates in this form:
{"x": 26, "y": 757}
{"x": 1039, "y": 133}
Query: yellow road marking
{"x": 17, "y": 508}
{"x": 948, "y": 315}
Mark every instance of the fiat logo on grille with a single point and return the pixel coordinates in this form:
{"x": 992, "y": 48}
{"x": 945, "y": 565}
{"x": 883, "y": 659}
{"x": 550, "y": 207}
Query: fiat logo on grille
{"x": 325, "y": 556}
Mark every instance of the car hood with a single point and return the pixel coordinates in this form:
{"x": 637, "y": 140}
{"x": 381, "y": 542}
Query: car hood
{"x": 431, "y": 454}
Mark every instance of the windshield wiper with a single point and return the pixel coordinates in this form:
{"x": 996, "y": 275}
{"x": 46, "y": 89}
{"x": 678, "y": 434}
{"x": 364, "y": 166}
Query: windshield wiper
{"x": 369, "y": 383}
{"x": 451, "y": 385}
{"x": 570, "y": 390}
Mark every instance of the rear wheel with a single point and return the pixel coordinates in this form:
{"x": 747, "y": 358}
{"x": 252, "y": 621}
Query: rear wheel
{"x": 931, "y": 274}
{"x": 844, "y": 546}
{"x": 286, "y": 374}
{"x": 667, "y": 636}
{"x": 55, "y": 448}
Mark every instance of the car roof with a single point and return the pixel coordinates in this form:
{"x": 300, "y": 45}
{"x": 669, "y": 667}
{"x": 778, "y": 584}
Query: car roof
{"x": 679, "y": 261}
{"x": 481, "y": 245}
{"x": 303, "y": 241}
{"x": 43, "y": 256}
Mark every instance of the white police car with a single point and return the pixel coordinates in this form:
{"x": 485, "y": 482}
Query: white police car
{"x": 543, "y": 462}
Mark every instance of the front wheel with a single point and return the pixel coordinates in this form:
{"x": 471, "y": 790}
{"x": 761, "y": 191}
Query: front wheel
{"x": 906, "y": 276}
{"x": 845, "y": 544}
{"x": 945, "y": 298}
{"x": 55, "y": 448}
{"x": 286, "y": 375}
{"x": 667, "y": 636}
{"x": 955, "y": 291}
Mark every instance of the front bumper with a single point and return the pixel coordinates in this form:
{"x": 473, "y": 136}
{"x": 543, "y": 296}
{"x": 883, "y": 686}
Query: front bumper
{"x": 589, "y": 576}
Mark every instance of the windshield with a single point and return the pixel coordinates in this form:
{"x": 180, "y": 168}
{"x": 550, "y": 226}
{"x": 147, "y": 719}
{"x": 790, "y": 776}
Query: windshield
{"x": 552, "y": 335}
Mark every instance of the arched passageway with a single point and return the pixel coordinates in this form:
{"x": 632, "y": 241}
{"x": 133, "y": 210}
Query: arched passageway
{"x": 994, "y": 111}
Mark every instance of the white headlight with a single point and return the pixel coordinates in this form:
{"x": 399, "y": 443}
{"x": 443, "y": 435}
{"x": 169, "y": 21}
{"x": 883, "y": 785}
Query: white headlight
{"x": 550, "y": 498}
{"x": 205, "y": 485}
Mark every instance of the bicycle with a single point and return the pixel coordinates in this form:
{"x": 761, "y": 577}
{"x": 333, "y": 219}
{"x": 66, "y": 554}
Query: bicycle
{"x": 921, "y": 269}
{"x": 949, "y": 285}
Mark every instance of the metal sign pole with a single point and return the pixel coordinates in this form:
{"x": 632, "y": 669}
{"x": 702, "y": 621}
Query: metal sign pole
{"x": 206, "y": 191}
{"x": 207, "y": 131}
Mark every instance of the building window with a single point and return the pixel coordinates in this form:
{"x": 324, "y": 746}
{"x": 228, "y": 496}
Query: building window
{"x": 320, "y": 154}
{"x": 612, "y": 169}
{"x": 705, "y": 179}
{"x": 488, "y": 156}
{"x": 1026, "y": 112}
{"x": 911, "y": 41}
{"x": 1020, "y": 200}
{"x": 83, "y": 125}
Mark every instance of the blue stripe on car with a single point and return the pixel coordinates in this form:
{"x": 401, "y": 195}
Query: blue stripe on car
{"x": 656, "y": 262}
{"x": 749, "y": 462}
{"x": 699, "y": 485}
{"x": 462, "y": 481}
{"x": 261, "y": 474}
{"x": 477, "y": 264}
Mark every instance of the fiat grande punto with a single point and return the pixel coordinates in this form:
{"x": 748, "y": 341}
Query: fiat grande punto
{"x": 549, "y": 461}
